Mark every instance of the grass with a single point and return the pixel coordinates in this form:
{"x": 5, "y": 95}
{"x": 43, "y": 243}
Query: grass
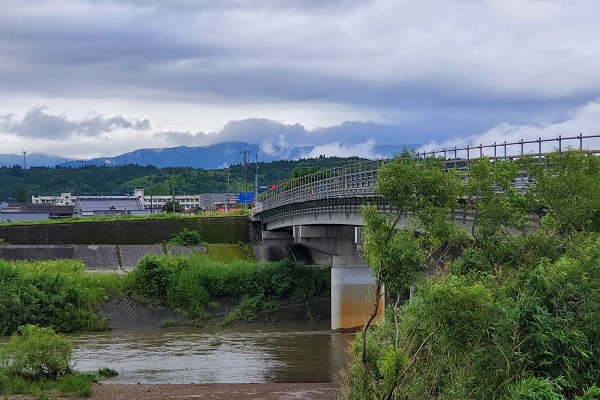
{"x": 77, "y": 384}
{"x": 128, "y": 218}
{"x": 229, "y": 252}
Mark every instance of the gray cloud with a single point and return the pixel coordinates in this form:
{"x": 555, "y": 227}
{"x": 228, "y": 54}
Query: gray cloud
{"x": 37, "y": 123}
{"x": 372, "y": 53}
{"x": 432, "y": 69}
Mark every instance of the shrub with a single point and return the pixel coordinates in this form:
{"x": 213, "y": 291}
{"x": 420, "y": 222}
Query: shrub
{"x": 189, "y": 283}
{"x": 36, "y": 353}
{"x": 53, "y": 293}
{"x": 187, "y": 237}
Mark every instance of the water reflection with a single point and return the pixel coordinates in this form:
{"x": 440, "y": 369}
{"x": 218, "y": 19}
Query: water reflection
{"x": 280, "y": 353}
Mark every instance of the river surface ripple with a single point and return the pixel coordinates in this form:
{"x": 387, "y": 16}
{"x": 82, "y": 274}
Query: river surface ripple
{"x": 278, "y": 353}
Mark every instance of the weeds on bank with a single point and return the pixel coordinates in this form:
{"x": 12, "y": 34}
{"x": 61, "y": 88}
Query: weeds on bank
{"x": 57, "y": 293}
{"x": 190, "y": 284}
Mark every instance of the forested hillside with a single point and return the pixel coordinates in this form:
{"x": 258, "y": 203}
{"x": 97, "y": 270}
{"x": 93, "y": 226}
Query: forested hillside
{"x": 19, "y": 185}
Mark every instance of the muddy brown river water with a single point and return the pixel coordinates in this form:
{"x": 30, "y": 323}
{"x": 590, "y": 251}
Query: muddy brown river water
{"x": 307, "y": 352}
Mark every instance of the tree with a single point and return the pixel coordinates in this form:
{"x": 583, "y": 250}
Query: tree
{"x": 301, "y": 171}
{"x": 21, "y": 195}
{"x": 480, "y": 329}
{"x": 568, "y": 187}
{"x": 422, "y": 189}
{"x": 172, "y": 207}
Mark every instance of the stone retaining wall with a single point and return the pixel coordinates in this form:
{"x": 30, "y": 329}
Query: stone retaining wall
{"x": 135, "y": 232}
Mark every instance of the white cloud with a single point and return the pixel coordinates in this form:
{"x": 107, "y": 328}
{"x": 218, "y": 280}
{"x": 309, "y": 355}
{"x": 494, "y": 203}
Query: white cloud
{"x": 364, "y": 150}
{"x": 584, "y": 121}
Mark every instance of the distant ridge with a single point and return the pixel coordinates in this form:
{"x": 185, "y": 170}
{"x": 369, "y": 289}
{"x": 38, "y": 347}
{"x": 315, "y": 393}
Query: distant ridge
{"x": 207, "y": 157}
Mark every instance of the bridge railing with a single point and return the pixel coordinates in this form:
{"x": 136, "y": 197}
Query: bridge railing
{"x": 358, "y": 180}
{"x": 505, "y": 150}
{"x": 353, "y": 180}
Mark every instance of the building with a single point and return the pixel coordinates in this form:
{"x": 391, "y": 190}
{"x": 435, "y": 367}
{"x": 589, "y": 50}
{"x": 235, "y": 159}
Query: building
{"x": 108, "y": 206}
{"x": 34, "y": 212}
{"x": 138, "y": 203}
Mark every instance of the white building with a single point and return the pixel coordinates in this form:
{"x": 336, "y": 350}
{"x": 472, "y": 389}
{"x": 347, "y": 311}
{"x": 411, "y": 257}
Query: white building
{"x": 203, "y": 202}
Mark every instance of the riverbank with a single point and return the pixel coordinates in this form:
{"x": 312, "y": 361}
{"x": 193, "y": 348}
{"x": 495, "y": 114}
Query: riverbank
{"x": 218, "y": 391}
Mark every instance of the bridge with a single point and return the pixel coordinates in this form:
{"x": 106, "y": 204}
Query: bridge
{"x": 322, "y": 212}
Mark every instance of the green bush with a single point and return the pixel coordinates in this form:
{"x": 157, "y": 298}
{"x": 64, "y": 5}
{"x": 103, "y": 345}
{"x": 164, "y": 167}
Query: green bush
{"x": 531, "y": 333}
{"x": 58, "y": 294}
{"x": 190, "y": 283}
{"x": 36, "y": 353}
{"x": 187, "y": 237}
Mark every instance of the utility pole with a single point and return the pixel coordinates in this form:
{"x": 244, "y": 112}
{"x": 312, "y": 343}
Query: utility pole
{"x": 227, "y": 196}
{"x": 246, "y": 152}
{"x": 256, "y": 176}
{"x": 173, "y": 188}
{"x": 151, "y": 193}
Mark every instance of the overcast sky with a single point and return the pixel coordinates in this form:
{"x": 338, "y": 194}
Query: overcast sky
{"x": 88, "y": 78}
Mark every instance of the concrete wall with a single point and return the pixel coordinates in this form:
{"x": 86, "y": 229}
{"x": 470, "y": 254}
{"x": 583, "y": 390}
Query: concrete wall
{"x": 99, "y": 258}
{"x": 138, "y": 232}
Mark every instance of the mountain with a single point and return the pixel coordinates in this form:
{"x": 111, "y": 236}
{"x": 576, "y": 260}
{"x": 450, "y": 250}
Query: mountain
{"x": 31, "y": 160}
{"x": 207, "y": 157}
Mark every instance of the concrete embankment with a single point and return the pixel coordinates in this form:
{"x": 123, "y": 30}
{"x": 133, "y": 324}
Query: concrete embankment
{"x": 100, "y": 258}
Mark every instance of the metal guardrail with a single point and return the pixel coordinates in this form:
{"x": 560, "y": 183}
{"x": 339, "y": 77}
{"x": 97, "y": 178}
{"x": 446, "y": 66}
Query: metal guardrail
{"x": 358, "y": 180}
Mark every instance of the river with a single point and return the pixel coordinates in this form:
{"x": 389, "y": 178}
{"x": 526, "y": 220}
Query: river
{"x": 252, "y": 354}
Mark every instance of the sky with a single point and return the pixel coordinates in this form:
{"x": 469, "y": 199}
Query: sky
{"x": 90, "y": 78}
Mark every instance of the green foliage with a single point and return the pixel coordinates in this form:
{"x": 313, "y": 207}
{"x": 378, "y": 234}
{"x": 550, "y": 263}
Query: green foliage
{"x": 568, "y": 186}
{"x": 190, "y": 283}
{"x": 94, "y": 180}
{"x": 397, "y": 253}
{"x": 516, "y": 315}
{"x": 416, "y": 185}
{"x": 301, "y": 171}
{"x": 106, "y": 372}
{"x": 76, "y": 384}
{"x": 501, "y": 211}
{"x": 532, "y": 388}
{"x": 36, "y": 353}
{"x": 21, "y": 196}
{"x": 187, "y": 237}
{"x": 57, "y": 294}
{"x": 172, "y": 207}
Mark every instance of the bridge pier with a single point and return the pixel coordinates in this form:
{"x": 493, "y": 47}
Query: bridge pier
{"x": 352, "y": 283}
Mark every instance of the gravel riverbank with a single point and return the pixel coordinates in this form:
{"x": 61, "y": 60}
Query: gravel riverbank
{"x": 217, "y": 391}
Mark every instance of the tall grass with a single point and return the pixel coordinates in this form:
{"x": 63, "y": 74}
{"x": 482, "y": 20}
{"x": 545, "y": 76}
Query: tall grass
{"x": 190, "y": 283}
{"x": 57, "y": 293}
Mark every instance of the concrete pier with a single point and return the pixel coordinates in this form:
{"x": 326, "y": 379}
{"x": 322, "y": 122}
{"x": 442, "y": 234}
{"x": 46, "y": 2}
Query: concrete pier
{"x": 352, "y": 282}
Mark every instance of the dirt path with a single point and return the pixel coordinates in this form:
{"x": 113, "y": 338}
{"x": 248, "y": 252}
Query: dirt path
{"x": 219, "y": 391}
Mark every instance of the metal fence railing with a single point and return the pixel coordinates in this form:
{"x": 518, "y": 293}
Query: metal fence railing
{"x": 358, "y": 180}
